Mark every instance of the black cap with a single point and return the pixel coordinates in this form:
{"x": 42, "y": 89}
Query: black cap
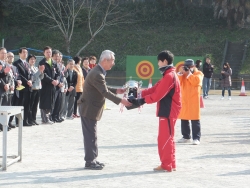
{"x": 189, "y": 62}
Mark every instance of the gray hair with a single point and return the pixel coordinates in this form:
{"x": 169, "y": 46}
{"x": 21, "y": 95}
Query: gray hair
{"x": 106, "y": 54}
{"x": 70, "y": 60}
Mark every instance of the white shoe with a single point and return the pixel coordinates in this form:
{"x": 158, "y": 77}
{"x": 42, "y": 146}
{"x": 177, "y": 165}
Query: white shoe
{"x": 184, "y": 140}
{"x": 229, "y": 98}
{"x": 222, "y": 98}
{"x": 69, "y": 118}
{"x": 196, "y": 142}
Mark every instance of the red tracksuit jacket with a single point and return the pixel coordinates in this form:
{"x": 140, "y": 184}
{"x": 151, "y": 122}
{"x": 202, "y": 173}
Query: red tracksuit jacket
{"x": 166, "y": 92}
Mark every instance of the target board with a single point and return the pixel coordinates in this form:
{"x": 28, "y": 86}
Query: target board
{"x": 178, "y": 66}
{"x": 145, "y": 69}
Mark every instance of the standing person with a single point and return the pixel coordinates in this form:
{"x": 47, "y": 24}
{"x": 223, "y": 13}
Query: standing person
{"x": 92, "y": 62}
{"x": 36, "y": 86}
{"x": 64, "y": 90}
{"x": 167, "y": 94}
{"x": 91, "y": 105}
{"x": 71, "y": 93}
{"x": 79, "y": 84}
{"x": 198, "y": 64}
{"x": 226, "y": 82}
{"x": 49, "y": 82}
{"x": 191, "y": 81}
{"x": 16, "y": 82}
{"x": 208, "y": 70}
{"x": 5, "y": 83}
{"x": 26, "y": 78}
{"x": 85, "y": 66}
{"x": 57, "y": 57}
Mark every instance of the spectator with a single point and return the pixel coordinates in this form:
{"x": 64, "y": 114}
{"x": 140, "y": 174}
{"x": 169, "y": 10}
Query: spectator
{"x": 71, "y": 93}
{"x": 198, "y": 64}
{"x": 26, "y": 78}
{"x": 80, "y": 81}
{"x": 226, "y": 82}
{"x": 49, "y": 82}
{"x": 191, "y": 81}
{"x": 92, "y": 62}
{"x": 36, "y": 86}
{"x": 208, "y": 70}
{"x": 85, "y": 66}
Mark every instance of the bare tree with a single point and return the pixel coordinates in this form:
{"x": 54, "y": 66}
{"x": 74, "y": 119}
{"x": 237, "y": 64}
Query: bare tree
{"x": 111, "y": 15}
{"x": 61, "y": 14}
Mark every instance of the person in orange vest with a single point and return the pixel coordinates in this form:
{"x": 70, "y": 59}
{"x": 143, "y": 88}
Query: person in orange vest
{"x": 191, "y": 81}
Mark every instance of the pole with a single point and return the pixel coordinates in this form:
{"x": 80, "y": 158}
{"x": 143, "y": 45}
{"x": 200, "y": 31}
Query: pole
{"x": 214, "y": 84}
{"x": 2, "y": 42}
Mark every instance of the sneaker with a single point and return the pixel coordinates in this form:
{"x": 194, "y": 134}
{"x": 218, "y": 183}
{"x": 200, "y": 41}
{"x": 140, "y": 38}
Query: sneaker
{"x": 160, "y": 169}
{"x": 229, "y": 98}
{"x": 69, "y": 118}
{"x": 196, "y": 142}
{"x": 48, "y": 123}
{"x": 184, "y": 140}
{"x": 222, "y": 98}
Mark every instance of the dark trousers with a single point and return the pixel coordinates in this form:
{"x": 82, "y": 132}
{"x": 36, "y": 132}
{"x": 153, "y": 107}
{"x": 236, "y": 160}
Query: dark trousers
{"x": 58, "y": 104}
{"x": 78, "y": 94}
{"x": 6, "y": 100}
{"x": 14, "y": 102}
{"x": 228, "y": 89}
{"x": 89, "y": 139}
{"x": 196, "y": 129}
{"x": 34, "y": 100}
{"x": 23, "y": 100}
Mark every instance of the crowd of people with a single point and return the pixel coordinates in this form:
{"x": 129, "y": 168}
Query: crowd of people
{"x": 51, "y": 86}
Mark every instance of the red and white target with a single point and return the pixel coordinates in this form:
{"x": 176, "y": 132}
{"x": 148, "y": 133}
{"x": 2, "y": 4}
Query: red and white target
{"x": 145, "y": 70}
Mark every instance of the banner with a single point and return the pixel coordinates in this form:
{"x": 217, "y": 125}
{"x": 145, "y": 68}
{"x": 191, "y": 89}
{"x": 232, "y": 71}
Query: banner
{"x": 145, "y": 67}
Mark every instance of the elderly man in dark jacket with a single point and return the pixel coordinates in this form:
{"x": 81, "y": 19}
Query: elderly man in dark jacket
{"x": 49, "y": 82}
{"x": 91, "y": 105}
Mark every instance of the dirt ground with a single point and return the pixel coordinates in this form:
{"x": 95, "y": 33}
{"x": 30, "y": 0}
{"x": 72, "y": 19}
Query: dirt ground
{"x": 53, "y": 155}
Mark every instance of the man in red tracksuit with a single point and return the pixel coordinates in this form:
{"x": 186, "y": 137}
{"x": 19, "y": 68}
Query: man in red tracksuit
{"x": 166, "y": 93}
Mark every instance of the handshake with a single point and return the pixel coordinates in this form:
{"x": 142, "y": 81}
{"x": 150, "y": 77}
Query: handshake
{"x": 135, "y": 102}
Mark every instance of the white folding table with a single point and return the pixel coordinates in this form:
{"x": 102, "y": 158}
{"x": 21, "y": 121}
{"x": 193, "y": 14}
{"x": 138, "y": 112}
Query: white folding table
{"x": 5, "y": 113}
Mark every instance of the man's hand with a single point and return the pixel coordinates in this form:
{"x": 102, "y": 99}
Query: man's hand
{"x": 121, "y": 91}
{"x": 125, "y": 102}
{"x": 29, "y": 83}
{"x": 55, "y": 82}
{"x": 65, "y": 90}
{"x": 19, "y": 82}
{"x": 7, "y": 70}
{"x": 70, "y": 88}
{"x": 222, "y": 72}
{"x": 41, "y": 68}
{"x": 12, "y": 88}
{"x": 61, "y": 85}
{"x": 6, "y": 87}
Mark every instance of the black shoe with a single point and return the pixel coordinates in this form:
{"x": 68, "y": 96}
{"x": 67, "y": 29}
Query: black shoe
{"x": 93, "y": 166}
{"x": 61, "y": 119}
{"x": 56, "y": 120}
{"x": 31, "y": 122}
{"x": 35, "y": 122}
{"x": 102, "y": 164}
{"x": 27, "y": 124}
{"x": 51, "y": 119}
{"x": 11, "y": 126}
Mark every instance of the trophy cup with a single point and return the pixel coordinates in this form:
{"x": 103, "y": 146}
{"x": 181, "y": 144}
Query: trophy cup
{"x": 133, "y": 88}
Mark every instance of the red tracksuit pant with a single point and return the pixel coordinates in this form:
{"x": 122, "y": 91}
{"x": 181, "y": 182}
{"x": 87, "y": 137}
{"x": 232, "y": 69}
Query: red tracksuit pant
{"x": 166, "y": 144}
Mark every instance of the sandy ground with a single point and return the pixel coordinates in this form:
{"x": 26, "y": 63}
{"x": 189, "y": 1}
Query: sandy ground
{"x": 53, "y": 155}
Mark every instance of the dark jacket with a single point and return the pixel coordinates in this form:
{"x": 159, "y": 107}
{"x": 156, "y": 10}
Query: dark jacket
{"x": 47, "y": 93}
{"x": 208, "y": 70}
{"x": 226, "y": 78}
{"x": 73, "y": 81}
{"x": 166, "y": 92}
{"x": 85, "y": 72}
{"x": 95, "y": 91}
{"x": 23, "y": 71}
